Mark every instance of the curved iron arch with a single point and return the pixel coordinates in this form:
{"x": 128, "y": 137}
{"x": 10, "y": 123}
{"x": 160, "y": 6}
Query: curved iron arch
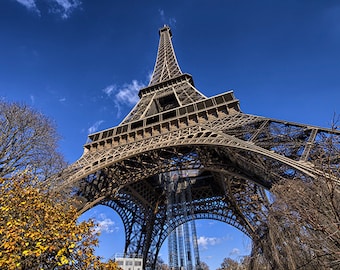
{"x": 89, "y": 164}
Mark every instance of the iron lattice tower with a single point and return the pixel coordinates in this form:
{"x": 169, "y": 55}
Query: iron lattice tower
{"x": 232, "y": 158}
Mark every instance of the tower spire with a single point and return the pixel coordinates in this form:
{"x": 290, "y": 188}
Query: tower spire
{"x": 169, "y": 88}
{"x": 166, "y": 66}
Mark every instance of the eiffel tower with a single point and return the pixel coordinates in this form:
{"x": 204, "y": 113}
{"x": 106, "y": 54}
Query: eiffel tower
{"x": 230, "y": 158}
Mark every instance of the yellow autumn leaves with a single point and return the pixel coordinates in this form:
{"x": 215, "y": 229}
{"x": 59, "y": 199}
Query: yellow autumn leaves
{"x": 40, "y": 231}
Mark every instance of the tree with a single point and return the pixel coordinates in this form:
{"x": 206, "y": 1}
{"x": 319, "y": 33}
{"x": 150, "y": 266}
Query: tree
{"x": 110, "y": 265}
{"x": 303, "y": 224}
{"x": 38, "y": 228}
{"x": 27, "y": 139}
{"x": 40, "y": 231}
{"x": 229, "y": 264}
{"x": 203, "y": 266}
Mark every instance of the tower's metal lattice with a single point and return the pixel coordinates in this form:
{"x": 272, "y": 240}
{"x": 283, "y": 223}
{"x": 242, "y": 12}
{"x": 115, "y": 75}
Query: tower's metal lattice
{"x": 175, "y": 128}
{"x": 183, "y": 239}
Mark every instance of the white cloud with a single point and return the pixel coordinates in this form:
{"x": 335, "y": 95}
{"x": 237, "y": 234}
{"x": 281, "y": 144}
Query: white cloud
{"x": 124, "y": 95}
{"x": 109, "y": 89}
{"x": 172, "y": 21}
{"x": 105, "y": 224}
{"x": 128, "y": 94}
{"x": 150, "y": 75}
{"x": 165, "y": 20}
{"x": 29, "y": 4}
{"x": 94, "y": 127}
{"x": 62, "y": 99}
{"x": 234, "y": 252}
{"x": 204, "y": 242}
{"x": 64, "y": 8}
{"x": 32, "y": 99}
{"x": 161, "y": 13}
{"x": 68, "y": 4}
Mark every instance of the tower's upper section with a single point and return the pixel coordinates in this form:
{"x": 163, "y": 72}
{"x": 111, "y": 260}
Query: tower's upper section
{"x": 166, "y": 66}
{"x": 168, "y": 102}
{"x": 169, "y": 88}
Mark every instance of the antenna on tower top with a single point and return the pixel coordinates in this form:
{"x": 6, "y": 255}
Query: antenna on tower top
{"x": 165, "y": 28}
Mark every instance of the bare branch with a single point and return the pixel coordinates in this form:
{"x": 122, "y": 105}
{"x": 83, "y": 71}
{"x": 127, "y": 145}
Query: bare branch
{"x": 28, "y": 139}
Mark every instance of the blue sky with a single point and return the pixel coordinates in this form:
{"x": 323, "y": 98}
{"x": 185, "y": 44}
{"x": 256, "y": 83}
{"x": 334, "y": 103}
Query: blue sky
{"x": 82, "y": 62}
